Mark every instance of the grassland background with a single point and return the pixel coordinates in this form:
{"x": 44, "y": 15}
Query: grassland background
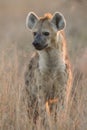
{"x": 16, "y": 48}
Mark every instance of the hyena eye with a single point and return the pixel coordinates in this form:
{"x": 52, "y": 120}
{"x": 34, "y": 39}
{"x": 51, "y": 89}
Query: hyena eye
{"x": 46, "y": 33}
{"x": 34, "y": 33}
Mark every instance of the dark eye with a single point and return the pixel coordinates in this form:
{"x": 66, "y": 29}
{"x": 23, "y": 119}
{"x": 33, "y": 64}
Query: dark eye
{"x": 34, "y": 33}
{"x": 46, "y": 33}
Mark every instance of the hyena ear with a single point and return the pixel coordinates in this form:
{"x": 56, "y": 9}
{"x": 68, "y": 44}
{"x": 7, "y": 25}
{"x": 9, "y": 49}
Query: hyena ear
{"x": 58, "y": 20}
{"x": 31, "y": 20}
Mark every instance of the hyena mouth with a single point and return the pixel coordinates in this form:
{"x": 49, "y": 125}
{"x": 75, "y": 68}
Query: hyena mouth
{"x": 40, "y": 47}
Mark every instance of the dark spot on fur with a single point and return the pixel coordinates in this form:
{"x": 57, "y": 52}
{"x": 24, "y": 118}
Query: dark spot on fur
{"x": 40, "y": 87}
{"x": 30, "y": 75}
{"x": 30, "y": 66}
{"x": 27, "y": 82}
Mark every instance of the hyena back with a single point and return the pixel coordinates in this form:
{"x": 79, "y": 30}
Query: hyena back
{"x": 48, "y": 76}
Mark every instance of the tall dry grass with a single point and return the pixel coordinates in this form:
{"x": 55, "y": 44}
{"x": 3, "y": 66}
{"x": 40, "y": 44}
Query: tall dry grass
{"x": 13, "y": 109}
{"x": 13, "y": 113}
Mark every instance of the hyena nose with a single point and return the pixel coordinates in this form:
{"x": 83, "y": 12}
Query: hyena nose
{"x": 35, "y": 43}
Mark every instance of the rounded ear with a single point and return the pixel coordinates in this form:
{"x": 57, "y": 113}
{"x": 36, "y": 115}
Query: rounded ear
{"x": 31, "y": 20}
{"x": 58, "y": 20}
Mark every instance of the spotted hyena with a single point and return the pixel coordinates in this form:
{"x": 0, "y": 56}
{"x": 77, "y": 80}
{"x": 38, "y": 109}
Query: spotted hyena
{"x": 48, "y": 75}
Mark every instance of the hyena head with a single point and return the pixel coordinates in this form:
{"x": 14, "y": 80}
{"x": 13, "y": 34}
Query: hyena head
{"x": 45, "y": 29}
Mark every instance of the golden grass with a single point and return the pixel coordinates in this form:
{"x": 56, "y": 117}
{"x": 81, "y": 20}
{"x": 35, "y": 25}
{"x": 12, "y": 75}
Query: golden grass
{"x": 13, "y": 113}
{"x": 13, "y": 110}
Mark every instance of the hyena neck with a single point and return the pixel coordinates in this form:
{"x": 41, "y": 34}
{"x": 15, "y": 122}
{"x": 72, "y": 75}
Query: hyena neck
{"x": 51, "y": 60}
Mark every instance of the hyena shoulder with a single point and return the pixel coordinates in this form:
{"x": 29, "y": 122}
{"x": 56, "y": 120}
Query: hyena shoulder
{"x": 31, "y": 68}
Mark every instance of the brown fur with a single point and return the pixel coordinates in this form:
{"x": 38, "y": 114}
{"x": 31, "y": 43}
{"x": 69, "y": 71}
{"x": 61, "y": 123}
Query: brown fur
{"x": 50, "y": 86}
{"x": 46, "y": 17}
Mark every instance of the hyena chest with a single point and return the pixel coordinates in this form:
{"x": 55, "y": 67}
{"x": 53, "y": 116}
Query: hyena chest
{"x": 52, "y": 85}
